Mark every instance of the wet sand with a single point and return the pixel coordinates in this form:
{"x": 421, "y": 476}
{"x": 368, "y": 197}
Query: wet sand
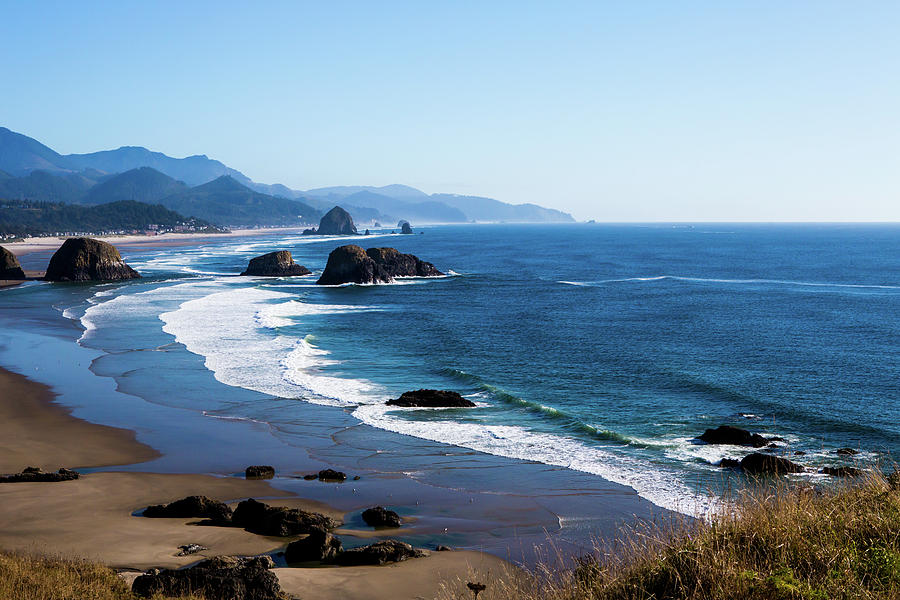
{"x": 92, "y": 517}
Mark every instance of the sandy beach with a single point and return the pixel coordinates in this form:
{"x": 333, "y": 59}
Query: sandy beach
{"x": 92, "y": 517}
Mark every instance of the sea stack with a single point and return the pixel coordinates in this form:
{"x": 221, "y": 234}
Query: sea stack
{"x": 86, "y": 259}
{"x": 336, "y": 221}
{"x": 9, "y": 265}
{"x": 275, "y": 264}
{"x": 405, "y": 227}
{"x": 352, "y": 264}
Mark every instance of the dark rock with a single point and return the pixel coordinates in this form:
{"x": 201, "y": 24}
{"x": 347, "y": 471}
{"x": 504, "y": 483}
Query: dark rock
{"x": 188, "y": 549}
{"x": 442, "y": 548}
{"x": 351, "y": 264}
{"x": 311, "y": 476}
{"x": 86, "y": 259}
{"x": 331, "y": 475}
{"x": 367, "y": 232}
{"x": 379, "y": 553}
{"x": 431, "y": 399}
{"x": 842, "y": 471}
{"x": 799, "y": 453}
{"x": 275, "y": 264}
{"x": 9, "y": 265}
{"x": 318, "y": 545}
{"x": 405, "y": 227}
{"x": 726, "y": 434}
{"x": 764, "y": 464}
{"x": 192, "y": 506}
{"x": 381, "y": 517}
{"x": 34, "y": 474}
{"x": 336, "y": 221}
{"x": 280, "y": 521}
{"x": 356, "y": 478}
{"x": 219, "y": 578}
{"x": 259, "y": 472}
{"x": 397, "y": 264}
{"x": 893, "y": 480}
{"x": 730, "y": 463}
{"x": 846, "y": 452}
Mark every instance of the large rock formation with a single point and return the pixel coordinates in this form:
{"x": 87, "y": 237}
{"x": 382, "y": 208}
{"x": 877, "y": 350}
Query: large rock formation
{"x": 86, "y": 259}
{"x": 318, "y": 545}
{"x": 397, "y": 264}
{"x": 766, "y": 464}
{"x": 431, "y": 399}
{"x": 405, "y": 227}
{"x": 726, "y": 434}
{"x": 275, "y": 264}
{"x": 192, "y": 506}
{"x": 9, "y": 265}
{"x": 223, "y": 577}
{"x": 263, "y": 519}
{"x": 379, "y": 553}
{"x": 336, "y": 221}
{"x": 381, "y": 517}
{"x": 352, "y": 264}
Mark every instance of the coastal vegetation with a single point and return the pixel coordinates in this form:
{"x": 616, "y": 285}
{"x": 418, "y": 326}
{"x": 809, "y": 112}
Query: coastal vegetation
{"x": 774, "y": 542}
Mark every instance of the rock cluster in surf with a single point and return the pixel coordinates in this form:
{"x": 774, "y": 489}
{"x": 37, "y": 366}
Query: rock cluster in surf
{"x": 9, "y": 265}
{"x": 431, "y": 399}
{"x": 352, "y": 264}
{"x": 275, "y": 264}
{"x": 87, "y": 259}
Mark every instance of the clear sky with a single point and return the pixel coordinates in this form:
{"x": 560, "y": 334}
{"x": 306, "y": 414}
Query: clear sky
{"x": 618, "y": 111}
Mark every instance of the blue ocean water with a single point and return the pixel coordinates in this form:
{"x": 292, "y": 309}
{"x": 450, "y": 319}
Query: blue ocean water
{"x": 598, "y": 350}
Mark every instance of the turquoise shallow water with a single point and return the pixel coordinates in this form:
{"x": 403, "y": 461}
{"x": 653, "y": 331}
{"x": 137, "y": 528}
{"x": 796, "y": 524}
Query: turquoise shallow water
{"x": 595, "y": 354}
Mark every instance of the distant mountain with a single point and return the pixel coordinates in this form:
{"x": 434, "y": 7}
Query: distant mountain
{"x": 44, "y": 186}
{"x": 488, "y": 209}
{"x": 20, "y": 155}
{"x": 224, "y": 201}
{"x": 193, "y": 170}
{"x": 394, "y": 190}
{"x": 25, "y": 218}
{"x": 143, "y": 184}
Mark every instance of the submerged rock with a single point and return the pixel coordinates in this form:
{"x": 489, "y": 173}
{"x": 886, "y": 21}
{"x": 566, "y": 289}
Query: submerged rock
{"x": 86, "y": 259}
{"x": 726, "y": 434}
{"x": 431, "y": 399}
{"x": 381, "y": 517}
{"x": 318, "y": 545}
{"x": 275, "y": 264}
{"x": 397, "y": 264}
{"x": 280, "y": 521}
{"x": 220, "y": 577}
{"x": 259, "y": 472}
{"x": 9, "y": 265}
{"x": 765, "y": 464}
{"x": 846, "y": 452}
{"x": 336, "y": 221}
{"x": 190, "y": 507}
{"x": 379, "y": 553}
{"x": 34, "y": 474}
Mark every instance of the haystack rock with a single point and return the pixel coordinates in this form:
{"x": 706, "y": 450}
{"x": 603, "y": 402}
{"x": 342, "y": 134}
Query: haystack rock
{"x": 336, "y": 221}
{"x": 405, "y": 227}
{"x": 275, "y": 264}
{"x": 86, "y": 259}
{"x": 9, "y": 265}
{"x": 352, "y": 264}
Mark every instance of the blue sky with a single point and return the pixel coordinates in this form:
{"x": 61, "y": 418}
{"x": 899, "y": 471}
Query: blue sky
{"x": 626, "y": 111}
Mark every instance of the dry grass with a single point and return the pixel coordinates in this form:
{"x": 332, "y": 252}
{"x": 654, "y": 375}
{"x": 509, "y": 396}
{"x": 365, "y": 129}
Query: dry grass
{"x": 38, "y": 577}
{"x": 779, "y": 542}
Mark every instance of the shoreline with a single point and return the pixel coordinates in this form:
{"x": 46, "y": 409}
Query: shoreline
{"x": 91, "y": 517}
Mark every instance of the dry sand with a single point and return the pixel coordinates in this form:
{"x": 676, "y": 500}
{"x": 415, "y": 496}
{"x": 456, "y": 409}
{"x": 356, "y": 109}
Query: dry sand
{"x": 91, "y": 517}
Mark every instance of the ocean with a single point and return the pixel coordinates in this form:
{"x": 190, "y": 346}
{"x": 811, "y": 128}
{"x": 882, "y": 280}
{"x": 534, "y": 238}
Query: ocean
{"x": 595, "y": 355}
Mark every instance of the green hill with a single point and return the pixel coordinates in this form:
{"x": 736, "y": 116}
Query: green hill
{"x": 44, "y": 186}
{"x": 143, "y": 184}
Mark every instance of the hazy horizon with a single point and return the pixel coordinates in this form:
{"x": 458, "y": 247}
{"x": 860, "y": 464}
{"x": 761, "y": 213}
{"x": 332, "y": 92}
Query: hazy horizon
{"x": 633, "y": 113}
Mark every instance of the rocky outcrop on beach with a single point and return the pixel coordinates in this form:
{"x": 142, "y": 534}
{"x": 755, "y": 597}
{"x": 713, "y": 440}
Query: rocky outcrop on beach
{"x": 431, "y": 399}
{"x": 352, "y": 264}
{"x": 191, "y": 507}
{"x": 86, "y": 259}
{"x": 379, "y": 516}
{"x": 259, "y": 472}
{"x": 397, "y": 264}
{"x": 405, "y": 227}
{"x": 766, "y": 464}
{"x": 258, "y": 517}
{"x": 231, "y": 577}
{"x": 379, "y": 553}
{"x": 275, "y": 264}
{"x": 726, "y": 434}
{"x": 331, "y": 475}
{"x": 336, "y": 221}
{"x": 34, "y": 474}
{"x": 319, "y": 545}
{"x": 9, "y": 265}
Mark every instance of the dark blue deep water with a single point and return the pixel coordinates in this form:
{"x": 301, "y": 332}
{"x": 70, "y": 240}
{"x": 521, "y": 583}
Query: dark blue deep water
{"x": 599, "y": 349}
